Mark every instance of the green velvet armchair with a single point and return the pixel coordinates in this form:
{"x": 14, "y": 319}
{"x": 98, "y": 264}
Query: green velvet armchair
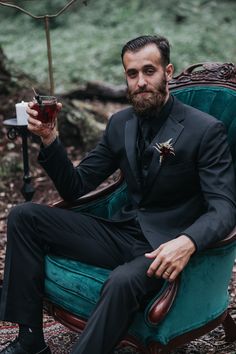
{"x": 197, "y": 301}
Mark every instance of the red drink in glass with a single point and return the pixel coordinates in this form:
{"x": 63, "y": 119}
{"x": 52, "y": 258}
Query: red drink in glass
{"x": 47, "y": 110}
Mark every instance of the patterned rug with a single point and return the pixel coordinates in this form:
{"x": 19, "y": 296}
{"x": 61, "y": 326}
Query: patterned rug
{"x": 61, "y": 340}
{"x": 58, "y": 337}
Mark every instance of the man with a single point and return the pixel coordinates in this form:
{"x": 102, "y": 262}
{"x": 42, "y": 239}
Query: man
{"x": 177, "y": 165}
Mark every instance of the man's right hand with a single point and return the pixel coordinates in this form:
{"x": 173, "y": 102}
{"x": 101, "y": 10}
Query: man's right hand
{"x": 36, "y": 127}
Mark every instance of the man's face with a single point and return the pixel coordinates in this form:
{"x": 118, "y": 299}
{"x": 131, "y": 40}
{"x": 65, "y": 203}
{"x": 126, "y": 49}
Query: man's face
{"x": 147, "y": 79}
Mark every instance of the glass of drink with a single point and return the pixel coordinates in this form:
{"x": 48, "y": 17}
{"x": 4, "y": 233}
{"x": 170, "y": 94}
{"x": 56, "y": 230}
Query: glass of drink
{"x": 46, "y": 106}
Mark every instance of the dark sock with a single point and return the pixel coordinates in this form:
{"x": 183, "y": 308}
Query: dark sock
{"x": 31, "y": 338}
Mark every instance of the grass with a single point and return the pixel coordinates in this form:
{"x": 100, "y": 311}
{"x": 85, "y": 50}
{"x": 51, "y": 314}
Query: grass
{"x": 87, "y": 40}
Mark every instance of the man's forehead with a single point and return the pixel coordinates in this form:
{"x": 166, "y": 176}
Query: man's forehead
{"x": 144, "y": 56}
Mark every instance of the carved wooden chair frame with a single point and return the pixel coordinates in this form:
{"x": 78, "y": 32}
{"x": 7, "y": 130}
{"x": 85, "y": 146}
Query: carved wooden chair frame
{"x": 199, "y": 74}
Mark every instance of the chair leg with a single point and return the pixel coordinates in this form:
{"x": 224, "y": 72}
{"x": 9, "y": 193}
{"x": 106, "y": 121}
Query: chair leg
{"x": 229, "y": 328}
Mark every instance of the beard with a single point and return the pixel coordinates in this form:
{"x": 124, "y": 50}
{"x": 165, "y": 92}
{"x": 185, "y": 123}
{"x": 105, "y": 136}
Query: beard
{"x": 153, "y": 102}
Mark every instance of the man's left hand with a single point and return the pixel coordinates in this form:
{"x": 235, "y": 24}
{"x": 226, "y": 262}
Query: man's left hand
{"x": 171, "y": 258}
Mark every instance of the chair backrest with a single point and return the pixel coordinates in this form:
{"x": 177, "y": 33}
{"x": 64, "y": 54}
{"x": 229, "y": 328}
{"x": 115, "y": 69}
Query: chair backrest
{"x": 211, "y": 87}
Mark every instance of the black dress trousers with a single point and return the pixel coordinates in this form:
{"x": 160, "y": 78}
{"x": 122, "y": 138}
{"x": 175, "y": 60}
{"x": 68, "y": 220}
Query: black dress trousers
{"x": 34, "y": 230}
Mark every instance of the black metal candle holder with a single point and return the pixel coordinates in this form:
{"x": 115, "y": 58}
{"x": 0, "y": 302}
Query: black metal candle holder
{"x": 14, "y": 130}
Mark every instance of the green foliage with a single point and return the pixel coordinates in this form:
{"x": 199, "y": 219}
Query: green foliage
{"x": 87, "y": 40}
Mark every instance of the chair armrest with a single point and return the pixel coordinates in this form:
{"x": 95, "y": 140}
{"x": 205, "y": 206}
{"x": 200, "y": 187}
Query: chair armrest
{"x": 163, "y": 303}
{"x": 228, "y": 239}
{"x": 92, "y": 196}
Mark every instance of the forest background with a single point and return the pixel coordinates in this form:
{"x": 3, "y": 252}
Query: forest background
{"x": 87, "y": 40}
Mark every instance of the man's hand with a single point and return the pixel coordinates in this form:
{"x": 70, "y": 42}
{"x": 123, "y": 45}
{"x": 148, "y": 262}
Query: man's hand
{"x": 170, "y": 258}
{"x": 36, "y": 127}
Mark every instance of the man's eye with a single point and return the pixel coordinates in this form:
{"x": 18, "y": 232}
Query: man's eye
{"x": 132, "y": 74}
{"x": 149, "y": 71}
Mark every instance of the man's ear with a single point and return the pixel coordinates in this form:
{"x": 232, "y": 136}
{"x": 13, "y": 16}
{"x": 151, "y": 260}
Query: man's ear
{"x": 169, "y": 71}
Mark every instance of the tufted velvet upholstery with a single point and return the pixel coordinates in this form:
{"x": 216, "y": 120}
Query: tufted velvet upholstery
{"x": 201, "y": 296}
{"x": 220, "y": 102}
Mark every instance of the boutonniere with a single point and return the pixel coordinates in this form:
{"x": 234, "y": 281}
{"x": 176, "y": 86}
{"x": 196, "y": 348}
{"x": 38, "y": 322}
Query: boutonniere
{"x": 165, "y": 149}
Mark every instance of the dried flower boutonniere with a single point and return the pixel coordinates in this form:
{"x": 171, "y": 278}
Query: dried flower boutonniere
{"x": 165, "y": 149}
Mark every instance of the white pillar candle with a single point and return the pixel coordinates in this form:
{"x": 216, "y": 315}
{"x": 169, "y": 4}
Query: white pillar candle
{"x": 21, "y": 115}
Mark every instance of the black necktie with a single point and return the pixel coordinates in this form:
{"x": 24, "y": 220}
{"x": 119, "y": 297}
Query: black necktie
{"x": 145, "y": 135}
{"x": 144, "y": 155}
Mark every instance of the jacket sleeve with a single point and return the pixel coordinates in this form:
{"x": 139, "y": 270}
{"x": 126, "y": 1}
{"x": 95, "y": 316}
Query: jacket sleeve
{"x": 217, "y": 182}
{"x": 73, "y": 182}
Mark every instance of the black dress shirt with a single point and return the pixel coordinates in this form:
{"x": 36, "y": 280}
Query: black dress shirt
{"x": 147, "y": 130}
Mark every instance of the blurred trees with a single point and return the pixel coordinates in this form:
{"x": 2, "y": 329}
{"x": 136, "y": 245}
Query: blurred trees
{"x": 87, "y": 40}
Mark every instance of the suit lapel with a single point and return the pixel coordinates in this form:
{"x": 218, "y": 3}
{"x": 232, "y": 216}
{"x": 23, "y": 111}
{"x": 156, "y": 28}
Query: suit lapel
{"x": 171, "y": 129}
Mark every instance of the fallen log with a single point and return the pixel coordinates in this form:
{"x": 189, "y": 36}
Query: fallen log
{"x": 99, "y": 90}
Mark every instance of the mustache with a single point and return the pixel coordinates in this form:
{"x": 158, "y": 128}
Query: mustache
{"x": 141, "y": 91}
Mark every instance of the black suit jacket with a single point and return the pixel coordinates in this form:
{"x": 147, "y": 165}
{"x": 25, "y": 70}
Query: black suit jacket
{"x": 191, "y": 192}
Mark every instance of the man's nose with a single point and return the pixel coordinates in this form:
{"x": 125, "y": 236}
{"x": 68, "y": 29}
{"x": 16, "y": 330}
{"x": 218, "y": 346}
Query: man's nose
{"x": 141, "y": 81}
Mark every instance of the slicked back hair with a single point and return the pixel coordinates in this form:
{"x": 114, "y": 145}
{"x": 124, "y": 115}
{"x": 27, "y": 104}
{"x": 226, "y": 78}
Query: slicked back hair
{"x": 140, "y": 42}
